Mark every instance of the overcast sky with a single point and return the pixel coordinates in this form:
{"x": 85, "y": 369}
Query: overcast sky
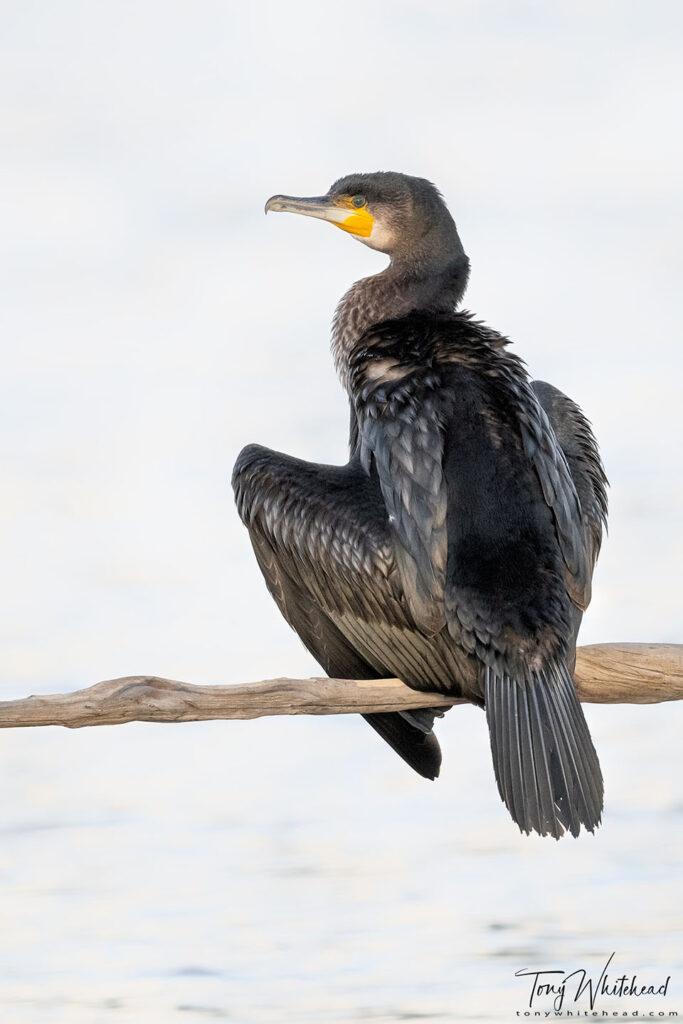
{"x": 153, "y": 320}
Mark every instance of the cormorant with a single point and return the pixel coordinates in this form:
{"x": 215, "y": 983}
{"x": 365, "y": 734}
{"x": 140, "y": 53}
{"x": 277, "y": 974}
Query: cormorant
{"x": 455, "y": 549}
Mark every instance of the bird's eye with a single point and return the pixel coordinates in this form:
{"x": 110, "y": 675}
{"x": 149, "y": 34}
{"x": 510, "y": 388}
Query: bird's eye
{"x": 358, "y": 201}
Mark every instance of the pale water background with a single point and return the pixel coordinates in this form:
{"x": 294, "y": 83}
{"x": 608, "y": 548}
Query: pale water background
{"x": 152, "y": 322}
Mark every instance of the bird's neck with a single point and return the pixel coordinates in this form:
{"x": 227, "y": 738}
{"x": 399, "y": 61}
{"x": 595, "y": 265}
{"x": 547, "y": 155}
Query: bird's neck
{"x": 399, "y": 290}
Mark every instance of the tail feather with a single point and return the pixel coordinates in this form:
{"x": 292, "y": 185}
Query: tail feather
{"x": 514, "y": 750}
{"x": 583, "y": 744}
{"x": 547, "y": 771}
{"x": 416, "y": 744}
{"x": 554, "y": 782}
{"x": 530, "y": 754}
{"x": 563, "y": 774}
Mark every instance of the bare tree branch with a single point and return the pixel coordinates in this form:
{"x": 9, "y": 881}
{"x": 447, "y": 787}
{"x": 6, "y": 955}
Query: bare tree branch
{"x": 605, "y": 674}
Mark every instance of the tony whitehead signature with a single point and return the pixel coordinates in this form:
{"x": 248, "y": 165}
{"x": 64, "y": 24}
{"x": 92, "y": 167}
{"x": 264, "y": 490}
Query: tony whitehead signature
{"x": 573, "y": 986}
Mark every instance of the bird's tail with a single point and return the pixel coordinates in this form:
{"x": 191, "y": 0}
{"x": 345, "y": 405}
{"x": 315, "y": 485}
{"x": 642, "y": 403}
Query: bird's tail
{"x": 410, "y": 734}
{"x": 547, "y": 771}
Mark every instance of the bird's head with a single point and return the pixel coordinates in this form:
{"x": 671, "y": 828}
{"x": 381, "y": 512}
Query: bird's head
{"x": 397, "y": 214}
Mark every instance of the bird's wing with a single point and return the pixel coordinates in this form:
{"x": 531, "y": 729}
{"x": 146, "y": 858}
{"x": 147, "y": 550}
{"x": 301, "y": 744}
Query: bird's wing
{"x": 320, "y": 539}
{"x": 326, "y": 529}
{"x": 576, "y": 438}
{"x": 558, "y": 443}
{"x": 486, "y": 521}
{"x": 328, "y": 537}
{"x": 403, "y": 442}
{"x": 560, "y": 493}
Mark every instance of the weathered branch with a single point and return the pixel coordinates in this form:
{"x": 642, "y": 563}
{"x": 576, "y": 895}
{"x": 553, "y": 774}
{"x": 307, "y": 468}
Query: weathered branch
{"x": 605, "y": 674}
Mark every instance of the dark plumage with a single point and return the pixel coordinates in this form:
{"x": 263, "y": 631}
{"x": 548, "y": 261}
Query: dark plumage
{"x": 455, "y": 549}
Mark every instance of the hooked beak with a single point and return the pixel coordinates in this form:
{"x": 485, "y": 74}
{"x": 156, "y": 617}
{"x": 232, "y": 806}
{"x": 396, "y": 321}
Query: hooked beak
{"x": 338, "y": 210}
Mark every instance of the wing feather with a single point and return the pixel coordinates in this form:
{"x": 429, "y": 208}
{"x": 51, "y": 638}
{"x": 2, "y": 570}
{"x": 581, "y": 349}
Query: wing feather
{"x": 577, "y": 441}
{"x": 405, "y": 449}
{"x": 326, "y": 566}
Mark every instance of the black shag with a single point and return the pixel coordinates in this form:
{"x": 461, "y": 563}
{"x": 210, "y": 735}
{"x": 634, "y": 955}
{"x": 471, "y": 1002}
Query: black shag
{"x": 456, "y": 547}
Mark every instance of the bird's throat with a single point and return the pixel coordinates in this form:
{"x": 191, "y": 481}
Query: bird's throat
{"x": 396, "y": 292}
